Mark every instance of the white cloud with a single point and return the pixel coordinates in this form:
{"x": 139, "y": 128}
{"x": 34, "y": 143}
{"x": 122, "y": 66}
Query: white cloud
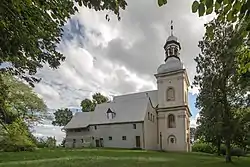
{"x": 194, "y": 90}
{"x": 193, "y": 121}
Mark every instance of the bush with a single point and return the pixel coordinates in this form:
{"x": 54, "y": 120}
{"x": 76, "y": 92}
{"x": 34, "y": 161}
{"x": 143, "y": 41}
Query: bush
{"x": 16, "y": 138}
{"x": 235, "y": 151}
{"x": 13, "y": 146}
{"x": 209, "y": 148}
{"x": 203, "y": 147}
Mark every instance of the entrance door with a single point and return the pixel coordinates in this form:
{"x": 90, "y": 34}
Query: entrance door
{"x": 74, "y": 143}
{"x": 138, "y": 141}
{"x": 101, "y": 142}
{"x": 97, "y": 143}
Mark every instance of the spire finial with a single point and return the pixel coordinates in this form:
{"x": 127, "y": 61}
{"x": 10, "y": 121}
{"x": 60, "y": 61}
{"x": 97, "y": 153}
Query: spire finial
{"x": 172, "y": 27}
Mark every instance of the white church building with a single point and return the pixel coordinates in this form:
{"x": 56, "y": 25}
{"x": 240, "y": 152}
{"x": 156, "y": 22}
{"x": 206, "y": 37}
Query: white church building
{"x": 151, "y": 120}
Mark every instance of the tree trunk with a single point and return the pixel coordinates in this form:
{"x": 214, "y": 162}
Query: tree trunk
{"x": 228, "y": 151}
{"x": 218, "y": 146}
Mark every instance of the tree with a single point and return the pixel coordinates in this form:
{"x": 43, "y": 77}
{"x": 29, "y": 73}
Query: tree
{"x": 62, "y": 117}
{"x": 231, "y": 11}
{"x": 89, "y": 105}
{"x": 5, "y": 117}
{"x": 222, "y": 91}
{"x": 16, "y": 137}
{"x": 22, "y": 101}
{"x": 208, "y": 102}
{"x": 227, "y": 10}
{"x": 18, "y": 100}
{"x": 242, "y": 135}
{"x": 31, "y": 30}
{"x": 51, "y": 142}
{"x": 98, "y": 98}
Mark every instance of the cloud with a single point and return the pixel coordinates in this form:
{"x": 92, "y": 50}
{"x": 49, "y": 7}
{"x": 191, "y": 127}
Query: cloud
{"x": 119, "y": 57}
{"x": 193, "y": 120}
{"x": 194, "y": 90}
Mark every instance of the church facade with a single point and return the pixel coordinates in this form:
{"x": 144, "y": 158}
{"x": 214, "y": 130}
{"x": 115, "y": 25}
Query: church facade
{"x": 152, "y": 120}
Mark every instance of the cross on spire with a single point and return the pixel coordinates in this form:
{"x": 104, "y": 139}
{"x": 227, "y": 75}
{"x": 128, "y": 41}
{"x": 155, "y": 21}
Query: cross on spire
{"x": 172, "y": 27}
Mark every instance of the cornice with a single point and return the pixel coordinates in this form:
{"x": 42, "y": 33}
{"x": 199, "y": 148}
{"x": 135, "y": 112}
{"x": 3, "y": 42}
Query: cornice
{"x": 174, "y": 108}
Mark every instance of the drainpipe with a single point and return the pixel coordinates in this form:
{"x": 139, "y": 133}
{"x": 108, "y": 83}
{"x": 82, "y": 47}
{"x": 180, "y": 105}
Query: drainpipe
{"x": 160, "y": 141}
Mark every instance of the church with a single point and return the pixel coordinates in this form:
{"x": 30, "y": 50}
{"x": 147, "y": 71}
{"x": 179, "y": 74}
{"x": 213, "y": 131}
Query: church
{"x": 151, "y": 120}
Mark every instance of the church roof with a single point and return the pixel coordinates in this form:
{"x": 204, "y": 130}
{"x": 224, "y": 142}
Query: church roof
{"x": 171, "y": 64}
{"x": 172, "y": 38}
{"x": 127, "y": 108}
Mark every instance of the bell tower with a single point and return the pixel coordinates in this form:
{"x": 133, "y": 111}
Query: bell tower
{"x": 173, "y": 110}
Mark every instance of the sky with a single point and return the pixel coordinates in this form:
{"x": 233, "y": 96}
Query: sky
{"x": 118, "y": 57}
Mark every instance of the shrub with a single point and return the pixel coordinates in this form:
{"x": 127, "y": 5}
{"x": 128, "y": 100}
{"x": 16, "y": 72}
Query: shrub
{"x": 203, "y": 147}
{"x": 209, "y": 148}
{"x": 235, "y": 151}
{"x": 16, "y": 138}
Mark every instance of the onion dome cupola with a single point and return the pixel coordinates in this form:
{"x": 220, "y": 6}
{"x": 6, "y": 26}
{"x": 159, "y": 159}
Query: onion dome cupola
{"x": 172, "y": 49}
{"x": 172, "y": 46}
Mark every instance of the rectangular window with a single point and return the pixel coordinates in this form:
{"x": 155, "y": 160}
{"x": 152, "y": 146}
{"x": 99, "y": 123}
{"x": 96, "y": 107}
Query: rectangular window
{"x": 77, "y": 130}
{"x": 95, "y": 127}
{"x": 82, "y": 140}
{"x": 124, "y": 138}
{"x": 153, "y": 118}
{"x": 148, "y": 116}
{"x": 74, "y": 140}
{"x": 134, "y": 125}
{"x": 110, "y": 137}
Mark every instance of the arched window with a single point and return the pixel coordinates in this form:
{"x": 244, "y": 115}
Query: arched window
{"x": 171, "y": 51}
{"x": 175, "y": 51}
{"x": 170, "y": 94}
{"x": 171, "y": 121}
{"x": 171, "y": 139}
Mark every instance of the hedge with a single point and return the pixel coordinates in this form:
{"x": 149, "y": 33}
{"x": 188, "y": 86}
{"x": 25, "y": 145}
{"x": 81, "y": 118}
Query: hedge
{"x": 209, "y": 148}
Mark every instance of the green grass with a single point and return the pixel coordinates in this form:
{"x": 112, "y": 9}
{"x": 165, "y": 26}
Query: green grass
{"x": 114, "y": 158}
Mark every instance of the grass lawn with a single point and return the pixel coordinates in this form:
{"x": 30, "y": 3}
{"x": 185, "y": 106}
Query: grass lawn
{"x": 113, "y": 158}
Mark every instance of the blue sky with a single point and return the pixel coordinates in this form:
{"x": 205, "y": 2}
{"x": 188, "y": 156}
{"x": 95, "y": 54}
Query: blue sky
{"x": 118, "y": 57}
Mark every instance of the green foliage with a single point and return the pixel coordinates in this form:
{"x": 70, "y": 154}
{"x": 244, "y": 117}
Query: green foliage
{"x": 203, "y": 147}
{"x": 16, "y": 138}
{"x": 162, "y": 2}
{"x": 230, "y": 11}
{"x": 242, "y": 120}
{"x": 22, "y": 100}
{"x": 98, "y": 98}
{"x": 18, "y": 100}
{"x": 62, "y": 117}
{"x": 31, "y": 30}
{"x": 243, "y": 60}
{"x": 227, "y": 9}
{"x": 195, "y": 6}
{"x": 211, "y": 149}
{"x": 49, "y": 142}
{"x": 235, "y": 151}
{"x": 5, "y": 117}
{"x": 89, "y": 105}
{"x": 222, "y": 98}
